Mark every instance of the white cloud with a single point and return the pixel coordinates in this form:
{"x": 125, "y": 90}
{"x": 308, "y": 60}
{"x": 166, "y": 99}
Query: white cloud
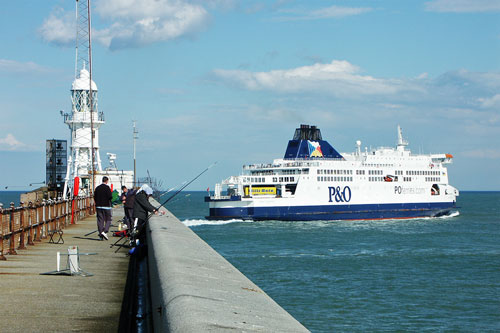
{"x": 454, "y": 89}
{"x": 59, "y": 28}
{"x": 140, "y": 22}
{"x": 11, "y": 143}
{"x": 338, "y": 78}
{"x": 322, "y": 13}
{"x": 490, "y": 102}
{"x": 463, "y": 6}
{"x": 21, "y": 67}
{"x": 132, "y": 23}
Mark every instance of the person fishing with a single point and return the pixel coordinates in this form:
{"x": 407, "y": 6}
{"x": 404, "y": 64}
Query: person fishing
{"x": 141, "y": 208}
{"x": 128, "y": 198}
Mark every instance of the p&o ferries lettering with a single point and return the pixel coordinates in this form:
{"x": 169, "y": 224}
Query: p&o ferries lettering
{"x": 340, "y": 195}
{"x": 409, "y": 190}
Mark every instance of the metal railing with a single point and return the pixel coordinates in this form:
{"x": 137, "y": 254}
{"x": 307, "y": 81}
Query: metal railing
{"x": 24, "y": 225}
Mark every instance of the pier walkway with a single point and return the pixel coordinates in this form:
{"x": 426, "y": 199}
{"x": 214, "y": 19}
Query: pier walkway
{"x": 194, "y": 289}
{"x": 56, "y": 303}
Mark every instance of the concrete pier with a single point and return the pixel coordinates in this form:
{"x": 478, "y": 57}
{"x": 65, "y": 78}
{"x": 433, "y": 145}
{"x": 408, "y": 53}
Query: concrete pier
{"x": 194, "y": 289}
{"x": 43, "y": 303}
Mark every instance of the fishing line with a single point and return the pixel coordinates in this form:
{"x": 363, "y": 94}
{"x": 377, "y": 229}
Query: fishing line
{"x": 171, "y": 189}
{"x": 183, "y": 187}
{"x": 180, "y": 198}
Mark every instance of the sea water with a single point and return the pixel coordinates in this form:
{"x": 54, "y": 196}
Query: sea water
{"x": 6, "y": 197}
{"x": 432, "y": 274}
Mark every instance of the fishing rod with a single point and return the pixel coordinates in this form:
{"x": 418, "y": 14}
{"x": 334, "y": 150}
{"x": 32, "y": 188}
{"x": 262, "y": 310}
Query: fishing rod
{"x": 183, "y": 187}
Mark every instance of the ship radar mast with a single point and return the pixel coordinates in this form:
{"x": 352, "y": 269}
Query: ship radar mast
{"x": 402, "y": 143}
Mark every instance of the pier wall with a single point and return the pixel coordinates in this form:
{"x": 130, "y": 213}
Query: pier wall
{"x": 194, "y": 289}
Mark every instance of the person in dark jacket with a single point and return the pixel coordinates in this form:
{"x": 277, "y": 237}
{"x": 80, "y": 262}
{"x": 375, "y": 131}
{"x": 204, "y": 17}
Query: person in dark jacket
{"x": 128, "y": 198}
{"x": 142, "y": 208}
{"x": 102, "y": 198}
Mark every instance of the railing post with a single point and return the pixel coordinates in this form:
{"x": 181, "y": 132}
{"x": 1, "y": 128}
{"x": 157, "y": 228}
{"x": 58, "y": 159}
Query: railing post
{"x": 58, "y": 215}
{"x": 53, "y": 216}
{"x": 23, "y": 210}
{"x": 32, "y": 216}
{"x": 12, "y": 241}
{"x": 45, "y": 218}
{"x": 39, "y": 221}
{"x": 2, "y": 226}
{"x": 82, "y": 208}
{"x": 65, "y": 212}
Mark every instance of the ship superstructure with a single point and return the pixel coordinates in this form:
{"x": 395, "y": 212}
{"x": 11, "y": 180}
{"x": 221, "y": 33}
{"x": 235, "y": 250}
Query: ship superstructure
{"x": 315, "y": 182}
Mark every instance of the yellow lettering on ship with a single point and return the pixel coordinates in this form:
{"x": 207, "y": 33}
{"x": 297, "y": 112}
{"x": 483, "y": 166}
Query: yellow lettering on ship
{"x": 263, "y": 190}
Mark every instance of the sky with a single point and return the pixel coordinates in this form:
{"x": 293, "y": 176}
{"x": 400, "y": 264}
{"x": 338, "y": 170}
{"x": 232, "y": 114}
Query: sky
{"x": 229, "y": 81}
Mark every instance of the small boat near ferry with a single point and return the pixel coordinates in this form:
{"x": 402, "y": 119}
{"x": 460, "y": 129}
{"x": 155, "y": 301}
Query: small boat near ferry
{"x": 313, "y": 181}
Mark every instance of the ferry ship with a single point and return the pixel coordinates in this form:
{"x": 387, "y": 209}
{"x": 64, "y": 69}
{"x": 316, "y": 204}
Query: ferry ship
{"x": 313, "y": 181}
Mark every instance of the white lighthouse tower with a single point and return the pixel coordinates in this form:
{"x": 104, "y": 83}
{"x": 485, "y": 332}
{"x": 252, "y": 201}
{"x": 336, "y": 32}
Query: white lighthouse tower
{"x": 84, "y": 122}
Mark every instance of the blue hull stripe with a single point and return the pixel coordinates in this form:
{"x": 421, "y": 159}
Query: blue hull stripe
{"x": 334, "y": 212}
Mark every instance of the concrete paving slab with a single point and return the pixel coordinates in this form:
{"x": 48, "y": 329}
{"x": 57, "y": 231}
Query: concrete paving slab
{"x": 31, "y": 302}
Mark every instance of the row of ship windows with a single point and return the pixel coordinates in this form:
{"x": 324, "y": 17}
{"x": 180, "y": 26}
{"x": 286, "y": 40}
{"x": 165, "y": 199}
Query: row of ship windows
{"x": 375, "y": 179}
{"x": 348, "y": 172}
{"x": 283, "y": 172}
{"x": 379, "y": 172}
{"x": 421, "y": 173}
{"x": 283, "y": 179}
{"x": 263, "y": 180}
{"x": 378, "y": 165}
{"x": 328, "y": 179}
{"x": 427, "y": 179}
{"x": 254, "y": 179}
{"x": 433, "y": 179}
{"x": 334, "y": 179}
{"x": 334, "y": 172}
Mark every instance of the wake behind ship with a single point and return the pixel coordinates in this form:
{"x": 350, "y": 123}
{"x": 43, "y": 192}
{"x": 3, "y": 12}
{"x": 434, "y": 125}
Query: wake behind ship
{"x": 315, "y": 182}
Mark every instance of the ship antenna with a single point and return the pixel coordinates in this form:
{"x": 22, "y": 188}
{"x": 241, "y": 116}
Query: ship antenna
{"x": 402, "y": 143}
